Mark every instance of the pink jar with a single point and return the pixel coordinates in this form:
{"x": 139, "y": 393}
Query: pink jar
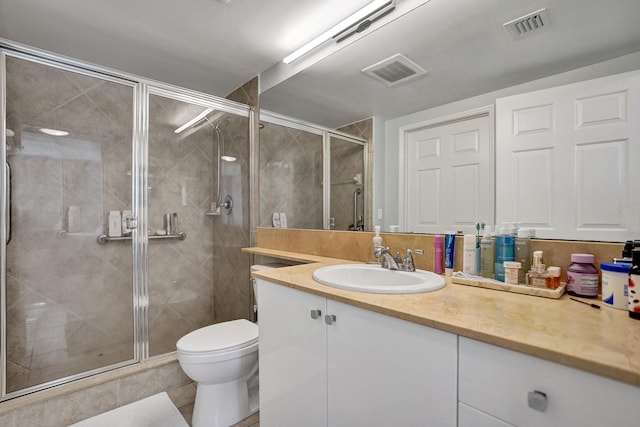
{"x": 582, "y": 276}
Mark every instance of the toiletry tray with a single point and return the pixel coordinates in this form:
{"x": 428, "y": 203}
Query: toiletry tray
{"x": 481, "y": 282}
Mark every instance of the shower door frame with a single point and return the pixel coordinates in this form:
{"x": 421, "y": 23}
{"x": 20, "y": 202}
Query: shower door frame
{"x": 327, "y": 173}
{"x": 327, "y": 134}
{"x": 141, "y": 89}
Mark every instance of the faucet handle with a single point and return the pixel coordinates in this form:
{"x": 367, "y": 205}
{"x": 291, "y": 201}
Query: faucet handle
{"x": 407, "y": 263}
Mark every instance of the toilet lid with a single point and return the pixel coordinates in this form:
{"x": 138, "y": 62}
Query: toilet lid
{"x": 221, "y": 336}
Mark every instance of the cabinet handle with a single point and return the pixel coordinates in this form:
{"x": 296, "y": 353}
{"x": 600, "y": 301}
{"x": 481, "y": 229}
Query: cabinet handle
{"x": 537, "y": 400}
{"x": 329, "y": 319}
{"x": 315, "y": 314}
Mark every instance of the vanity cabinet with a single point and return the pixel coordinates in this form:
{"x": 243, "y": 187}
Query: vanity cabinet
{"x": 495, "y": 386}
{"x": 325, "y": 363}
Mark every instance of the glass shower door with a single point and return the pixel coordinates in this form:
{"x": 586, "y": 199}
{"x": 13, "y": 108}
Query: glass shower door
{"x": 347, "y": 190}
{"x": 68, "y": 162}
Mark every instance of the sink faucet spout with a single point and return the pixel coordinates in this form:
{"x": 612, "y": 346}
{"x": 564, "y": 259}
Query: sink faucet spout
{"x": 388, "y": 260}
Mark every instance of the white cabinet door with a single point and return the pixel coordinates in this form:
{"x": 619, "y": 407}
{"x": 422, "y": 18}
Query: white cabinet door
{"x": 498, "y": 382}
{"x": 449, "y": 182}
{"x": 292, "y": 355}
{"x": 384, "y": 371}
{"x": 471, "y": 417}
{"x": 566, "y": 159}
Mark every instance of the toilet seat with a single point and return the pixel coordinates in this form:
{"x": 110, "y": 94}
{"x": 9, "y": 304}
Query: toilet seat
{"x": 220, "y": 339}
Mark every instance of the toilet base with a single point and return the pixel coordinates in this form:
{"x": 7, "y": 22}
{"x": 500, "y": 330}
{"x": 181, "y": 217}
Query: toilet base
{"x": 222, "y": 405}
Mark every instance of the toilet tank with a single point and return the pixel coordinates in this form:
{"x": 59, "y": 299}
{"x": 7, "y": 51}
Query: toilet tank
{"x": 259, "y": 267}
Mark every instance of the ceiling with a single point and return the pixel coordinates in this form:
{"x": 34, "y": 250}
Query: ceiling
{"x": 214, "y": 46}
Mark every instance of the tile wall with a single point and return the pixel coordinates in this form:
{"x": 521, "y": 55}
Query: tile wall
{"x": 291, "y": 173}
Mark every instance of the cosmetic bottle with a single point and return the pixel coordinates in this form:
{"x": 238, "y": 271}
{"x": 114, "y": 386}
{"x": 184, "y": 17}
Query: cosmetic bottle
{"x": 126, "y": 217}
{"x": 376, "y": 242}
{"x": 487, "y": 253}
{"x": 115, "y": 224}
{"x": 523, "y": 251}
{"x": 634, "y": 286}
{"x": 437, "y": 254}
{"x": 511, "y": 269}
{"x": 449, "y": 252}
{"x": 469, "y": 254}
{"x": 582, "y": 276}
{"x": 504, "y": 251}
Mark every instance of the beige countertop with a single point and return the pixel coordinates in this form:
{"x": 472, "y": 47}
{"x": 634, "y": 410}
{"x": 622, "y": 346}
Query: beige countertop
{"x": 604, "y": 342}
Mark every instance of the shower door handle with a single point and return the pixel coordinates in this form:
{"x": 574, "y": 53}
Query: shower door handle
{"x": 7, "y": 204}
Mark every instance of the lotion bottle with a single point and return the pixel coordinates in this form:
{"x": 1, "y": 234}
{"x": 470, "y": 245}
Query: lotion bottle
{"x": 376, "y": 242}
{"x": 437, "y": 254}
{"x": 634, "y": 286}
{"x": 487, "y": 253}
{"x": 469, "y": 254}
{"x": 115, "y": 224}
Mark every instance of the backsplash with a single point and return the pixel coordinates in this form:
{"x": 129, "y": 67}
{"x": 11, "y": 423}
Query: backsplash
{"x": 355, "y": 246}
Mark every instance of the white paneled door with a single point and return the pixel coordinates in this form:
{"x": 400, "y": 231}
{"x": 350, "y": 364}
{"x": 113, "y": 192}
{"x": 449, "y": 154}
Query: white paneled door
{"x": 567, "y": 159}
{"x": 448, "y": 178}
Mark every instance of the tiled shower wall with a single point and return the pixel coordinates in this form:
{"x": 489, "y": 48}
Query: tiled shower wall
{"x": 290, "y": 176}
{"x": 180, "y": 277}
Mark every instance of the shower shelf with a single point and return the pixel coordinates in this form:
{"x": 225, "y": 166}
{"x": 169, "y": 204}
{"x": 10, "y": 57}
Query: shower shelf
{"x": 104, "y": 239}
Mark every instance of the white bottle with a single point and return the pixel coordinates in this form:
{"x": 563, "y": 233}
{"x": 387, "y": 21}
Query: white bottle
{"x": 115, "y": 224}
{"x": 376, "y": 242}
{"x": 126, "y": 231}
{"x": 469, "y": 265}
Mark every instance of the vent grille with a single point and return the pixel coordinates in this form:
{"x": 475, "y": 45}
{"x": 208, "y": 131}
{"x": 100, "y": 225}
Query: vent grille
{"x": 394, "y": 70}
{"x": 534, "y": 21}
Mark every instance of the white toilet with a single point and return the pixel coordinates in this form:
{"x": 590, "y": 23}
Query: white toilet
{"x": 223, "y": 360}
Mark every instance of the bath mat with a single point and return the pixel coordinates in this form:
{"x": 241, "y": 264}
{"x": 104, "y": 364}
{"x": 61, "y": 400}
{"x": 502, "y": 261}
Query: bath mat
{"x": 154, "y": 411}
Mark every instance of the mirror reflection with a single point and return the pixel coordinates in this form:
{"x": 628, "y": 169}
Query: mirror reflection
{"x": 471, "y": 60}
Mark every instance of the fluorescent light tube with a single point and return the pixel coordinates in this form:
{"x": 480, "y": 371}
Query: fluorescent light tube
{"x": 53, "y": 132}
{"x": 195, "y": 120}
{"x": 338, "y": 28}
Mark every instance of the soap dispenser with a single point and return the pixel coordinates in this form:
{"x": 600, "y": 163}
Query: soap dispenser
{"x": 376, "y": 242}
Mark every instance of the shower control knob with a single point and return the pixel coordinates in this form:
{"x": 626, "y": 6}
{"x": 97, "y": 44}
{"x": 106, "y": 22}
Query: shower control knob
{"x": 315, "y": 314}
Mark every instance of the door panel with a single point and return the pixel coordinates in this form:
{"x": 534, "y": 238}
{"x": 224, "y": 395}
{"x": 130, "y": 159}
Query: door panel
{"x": 449, "y": 176}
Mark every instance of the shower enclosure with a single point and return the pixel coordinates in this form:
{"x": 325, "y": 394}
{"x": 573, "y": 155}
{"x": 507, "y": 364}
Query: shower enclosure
{"x": 315, "y": 176}
{"x": 80, "y": 292}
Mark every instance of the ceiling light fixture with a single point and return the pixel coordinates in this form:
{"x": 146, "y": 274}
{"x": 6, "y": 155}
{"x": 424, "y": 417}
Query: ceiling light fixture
{"x": 359, "y": 21}
{"x": 53, "y": 132}
{"x": 195, "y": 120}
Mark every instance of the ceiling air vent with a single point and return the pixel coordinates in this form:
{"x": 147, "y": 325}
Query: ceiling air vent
{"x": 394, "y": 70}
{"x": 534, "y": 21}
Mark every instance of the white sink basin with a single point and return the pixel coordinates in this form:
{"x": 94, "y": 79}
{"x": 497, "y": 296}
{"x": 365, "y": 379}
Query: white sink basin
{"x": 375, "y": 279}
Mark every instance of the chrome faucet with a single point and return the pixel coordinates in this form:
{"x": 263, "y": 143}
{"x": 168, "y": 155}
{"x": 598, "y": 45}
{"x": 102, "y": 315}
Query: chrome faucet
{"x": 407, "y": 263}
{"x": 388, "y": 260}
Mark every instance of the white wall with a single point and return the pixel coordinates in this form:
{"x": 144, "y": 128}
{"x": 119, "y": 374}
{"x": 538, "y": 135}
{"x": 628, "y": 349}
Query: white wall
{"x": 386, "y": 149}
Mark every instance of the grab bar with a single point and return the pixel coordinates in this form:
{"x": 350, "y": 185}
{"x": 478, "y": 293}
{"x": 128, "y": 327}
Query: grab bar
{"x": 355, "y": 208}
{"x": 7, "y": 203}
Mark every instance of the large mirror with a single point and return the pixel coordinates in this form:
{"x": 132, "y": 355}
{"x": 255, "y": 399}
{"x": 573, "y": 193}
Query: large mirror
{"x": 470, "y": 58}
